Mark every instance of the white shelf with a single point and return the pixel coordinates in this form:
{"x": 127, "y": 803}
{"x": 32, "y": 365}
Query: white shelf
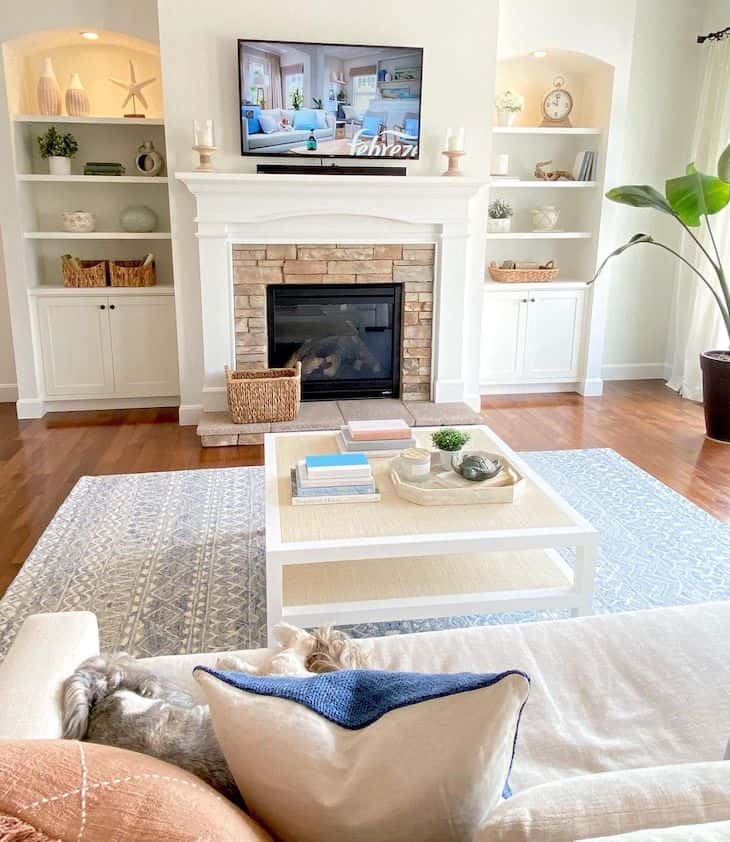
{"x": 537, "y": 182}
{"x": 96, "y": 235}
{"x": 90, "y": 121}
{"x": 160, "y": 289}
{"x": 90, "y": 179}
{"x": 541, "y": 235}
{"x": 542, "y": 130}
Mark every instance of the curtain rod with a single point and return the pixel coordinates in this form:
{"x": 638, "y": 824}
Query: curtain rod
{"x": 714, "y": 36}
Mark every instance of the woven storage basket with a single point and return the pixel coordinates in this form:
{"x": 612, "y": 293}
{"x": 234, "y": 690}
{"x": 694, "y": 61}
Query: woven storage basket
{"x": 255, "y": 397}
{"x": 83, "y": 273}
{"x": 522, "y": 276}
{"x": 132, "y": 273}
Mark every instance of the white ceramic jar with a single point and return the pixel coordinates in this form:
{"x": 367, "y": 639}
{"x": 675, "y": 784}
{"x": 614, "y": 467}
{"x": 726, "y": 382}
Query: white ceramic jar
{"x": 545, "y": 218}
{"x": 415, "y": 464}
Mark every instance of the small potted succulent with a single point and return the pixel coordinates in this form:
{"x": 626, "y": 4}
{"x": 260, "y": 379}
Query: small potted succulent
{"x": 449, "y": 441}
{"x": 58, "y": 149}
{"x": 500, "y": 217}
{"x": 509, "y": 104}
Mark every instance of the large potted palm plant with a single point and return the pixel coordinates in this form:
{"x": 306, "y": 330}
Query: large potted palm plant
{"x": 692, "y": 199}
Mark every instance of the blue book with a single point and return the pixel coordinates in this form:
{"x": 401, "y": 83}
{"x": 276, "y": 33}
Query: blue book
{"x": 335, "y": 460}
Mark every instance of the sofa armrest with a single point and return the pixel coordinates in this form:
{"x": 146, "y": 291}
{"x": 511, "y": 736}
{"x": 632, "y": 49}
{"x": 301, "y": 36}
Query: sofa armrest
{"x": 47, "y": 649}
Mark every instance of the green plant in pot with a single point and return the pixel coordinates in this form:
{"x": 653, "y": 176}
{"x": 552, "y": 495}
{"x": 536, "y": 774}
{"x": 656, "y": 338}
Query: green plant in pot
{"x": 500, "y": 217}
{"x": 297, "y": 99}
{"x": 58, "y": 149}
{"x": 692, "y": 199}
{"x": 449, "y": 441}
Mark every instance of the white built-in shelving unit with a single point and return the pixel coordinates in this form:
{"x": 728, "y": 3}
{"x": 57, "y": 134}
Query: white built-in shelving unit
{"x": 111, "y": 344}
{"x": 535, "y": 336}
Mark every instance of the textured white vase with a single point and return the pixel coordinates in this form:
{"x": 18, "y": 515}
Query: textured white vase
{"x": 58, "y": 165}
{"x": 48, "y": 91}
{"x": 77, "y": 100}
{"x": 506, "y": 118}
{"x": 499, "y": 226}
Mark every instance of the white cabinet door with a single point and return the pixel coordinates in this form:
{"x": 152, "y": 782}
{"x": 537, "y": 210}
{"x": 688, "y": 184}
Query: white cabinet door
{"x": 144, "y": 345}
{"x": 553, "y": 334}
{"x": 503, "y": 336}
{"x": 75, "y": 342}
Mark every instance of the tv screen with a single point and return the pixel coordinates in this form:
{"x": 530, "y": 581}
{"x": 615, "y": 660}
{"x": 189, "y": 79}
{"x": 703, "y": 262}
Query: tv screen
{"x": 306, "y": 100}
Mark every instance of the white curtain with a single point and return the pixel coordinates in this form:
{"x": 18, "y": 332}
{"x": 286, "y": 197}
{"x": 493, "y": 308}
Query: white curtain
{"x": 698, "y": 325}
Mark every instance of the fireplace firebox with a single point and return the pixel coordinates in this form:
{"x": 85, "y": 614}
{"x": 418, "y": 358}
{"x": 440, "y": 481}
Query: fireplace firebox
{"x": 346, "y": 336}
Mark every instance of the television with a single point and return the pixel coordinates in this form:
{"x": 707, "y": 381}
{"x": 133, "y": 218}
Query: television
{"x": 306, "y": 100}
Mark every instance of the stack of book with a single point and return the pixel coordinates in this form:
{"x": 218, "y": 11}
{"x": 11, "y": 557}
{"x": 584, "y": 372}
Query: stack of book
{"x": 103, "y": 168}
{"x": 584, "y": 166}
{"x": 333, "y": 478}
{"x": 376, "y": 438}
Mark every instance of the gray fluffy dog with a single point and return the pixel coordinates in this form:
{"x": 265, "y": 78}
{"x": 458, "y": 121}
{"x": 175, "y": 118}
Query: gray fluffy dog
{"x": 113, "y": 700}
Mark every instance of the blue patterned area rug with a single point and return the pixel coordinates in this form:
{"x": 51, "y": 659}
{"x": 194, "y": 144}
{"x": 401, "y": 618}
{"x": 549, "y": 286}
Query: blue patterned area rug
{"x": 174, "y": 562}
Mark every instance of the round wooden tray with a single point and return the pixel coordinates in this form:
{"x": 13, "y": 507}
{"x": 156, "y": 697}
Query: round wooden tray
{"x": 447, "y": 488}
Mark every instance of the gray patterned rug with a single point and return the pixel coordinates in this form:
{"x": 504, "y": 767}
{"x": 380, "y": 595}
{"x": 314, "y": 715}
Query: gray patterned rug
{"x": 174, "y": 562}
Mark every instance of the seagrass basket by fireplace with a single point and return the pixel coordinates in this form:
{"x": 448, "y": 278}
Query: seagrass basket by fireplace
{"x": 255, "y": 397}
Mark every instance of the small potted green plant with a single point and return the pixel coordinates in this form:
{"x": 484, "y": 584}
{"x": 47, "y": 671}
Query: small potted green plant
{"x": 509, "y": 104}
{"x": 500, "y": 217}
{"x": 297, "y": 99}
{"x": 449, "y": 441}
{"x": 58, "y": 149}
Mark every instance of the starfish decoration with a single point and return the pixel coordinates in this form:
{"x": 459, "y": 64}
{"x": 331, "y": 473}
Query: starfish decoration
{"x": 133, "y": 87}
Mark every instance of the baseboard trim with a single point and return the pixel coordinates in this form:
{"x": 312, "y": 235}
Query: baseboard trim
{"x": 85, "y": 404}
{"x": 8, "y": 392}
{"x": 30, "y": 408}
{"x": 635, "y": 371}
{"x": 190, "y": 414}
{"x": 526, "y": 388}
{"x": 592, "y": 388}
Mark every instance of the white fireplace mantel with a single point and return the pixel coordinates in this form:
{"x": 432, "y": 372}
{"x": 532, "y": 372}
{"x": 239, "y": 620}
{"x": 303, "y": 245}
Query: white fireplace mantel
{"x": 247, "y": 208}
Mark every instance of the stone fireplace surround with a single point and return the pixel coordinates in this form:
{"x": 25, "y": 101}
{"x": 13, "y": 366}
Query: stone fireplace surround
{"x": 239, "y": 211}
{"x": 256, "y": 266}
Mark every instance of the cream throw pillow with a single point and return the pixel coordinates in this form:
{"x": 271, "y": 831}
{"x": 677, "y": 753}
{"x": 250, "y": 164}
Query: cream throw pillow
{"x": 365, "y": 755}
{"x": 709, "y": 832}
{"x": 614, "y": 803}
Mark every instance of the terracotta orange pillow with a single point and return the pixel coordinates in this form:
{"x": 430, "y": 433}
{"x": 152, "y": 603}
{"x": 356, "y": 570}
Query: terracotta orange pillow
{"x": 66, "y": 790}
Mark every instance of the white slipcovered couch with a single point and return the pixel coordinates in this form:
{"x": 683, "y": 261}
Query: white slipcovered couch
{"x": 624, "y": 732}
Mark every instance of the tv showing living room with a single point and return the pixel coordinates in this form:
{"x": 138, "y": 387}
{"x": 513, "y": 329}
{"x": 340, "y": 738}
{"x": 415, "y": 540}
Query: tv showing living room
{"x": 329, "y": 100}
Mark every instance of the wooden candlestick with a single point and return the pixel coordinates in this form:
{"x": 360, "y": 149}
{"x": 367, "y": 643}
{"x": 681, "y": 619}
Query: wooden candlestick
{"x": 205, "y": 153}
{"x": 453, "y": 155}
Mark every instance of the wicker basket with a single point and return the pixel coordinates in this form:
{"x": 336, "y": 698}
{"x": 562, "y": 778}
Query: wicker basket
{"x": 83, "y": 273}
{"x": 255, "y": 397}
{"x": 132, "y": 273}
{"x": 522, "y": 276}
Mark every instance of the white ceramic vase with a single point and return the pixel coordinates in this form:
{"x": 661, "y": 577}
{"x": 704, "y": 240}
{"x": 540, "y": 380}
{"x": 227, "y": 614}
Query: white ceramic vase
{"x": 545, "y": 218}
{"x": 78, "y": 222}
{"x": 77, "y": 99}
{"x": 58, "y": 165}
{"x": 505, "y": 117}
{"x": 48, "y": 90}
{"x": 499, "y": 226}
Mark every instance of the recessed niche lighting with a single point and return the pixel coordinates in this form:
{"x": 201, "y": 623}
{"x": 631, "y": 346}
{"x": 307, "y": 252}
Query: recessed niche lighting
{"x": 90, "y": 36}
{"x": 539, "y": 54}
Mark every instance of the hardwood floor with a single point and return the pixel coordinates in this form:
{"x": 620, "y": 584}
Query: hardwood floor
{"x": 40, "y": 461}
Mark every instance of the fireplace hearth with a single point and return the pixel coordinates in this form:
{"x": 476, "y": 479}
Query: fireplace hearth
{"x": 347, "y": 337}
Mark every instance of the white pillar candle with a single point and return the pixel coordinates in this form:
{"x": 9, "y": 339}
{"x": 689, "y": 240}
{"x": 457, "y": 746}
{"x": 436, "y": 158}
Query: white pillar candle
{"x": 460, "y": 140}
{"x": 204, "y": 135}
{"x": 449, "y": 135}
{"x": 501, "y": 165}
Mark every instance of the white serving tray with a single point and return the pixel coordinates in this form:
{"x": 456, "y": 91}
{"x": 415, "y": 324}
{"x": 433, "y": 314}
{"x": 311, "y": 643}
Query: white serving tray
{"x": 444, "y": 487}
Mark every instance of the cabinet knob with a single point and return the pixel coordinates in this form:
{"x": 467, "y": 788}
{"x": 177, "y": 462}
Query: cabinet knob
{"x": 532, "y": 300}
{"x": 102, "y": 306}
{"x": 524, "y": 301}
{"x": 113, "y": 306}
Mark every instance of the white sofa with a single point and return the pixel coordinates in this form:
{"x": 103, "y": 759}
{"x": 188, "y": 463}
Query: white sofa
{"x": 613, "y": 699}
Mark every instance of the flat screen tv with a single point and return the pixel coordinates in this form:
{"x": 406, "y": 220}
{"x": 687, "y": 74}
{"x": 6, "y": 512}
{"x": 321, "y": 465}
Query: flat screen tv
{"x": 305, "y": 100}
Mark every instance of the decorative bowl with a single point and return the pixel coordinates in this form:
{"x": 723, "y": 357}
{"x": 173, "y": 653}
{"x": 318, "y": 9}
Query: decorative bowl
{"x": 475, "y": 465}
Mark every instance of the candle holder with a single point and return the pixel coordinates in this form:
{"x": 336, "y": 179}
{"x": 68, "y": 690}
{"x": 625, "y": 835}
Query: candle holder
{"x": 453, "y": 155}
{"x": 204, "y": 153}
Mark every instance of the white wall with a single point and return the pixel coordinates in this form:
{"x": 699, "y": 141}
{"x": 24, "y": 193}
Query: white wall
{"x": 199, "y": 79}
{"x": 666, "y": 67}
{"x": 134, "y": 17}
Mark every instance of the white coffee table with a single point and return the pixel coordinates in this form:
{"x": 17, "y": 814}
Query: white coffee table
{"x": 395, "y": 560}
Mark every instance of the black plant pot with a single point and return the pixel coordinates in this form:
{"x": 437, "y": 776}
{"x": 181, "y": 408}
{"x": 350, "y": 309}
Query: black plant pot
{"x": 716, "y": 392}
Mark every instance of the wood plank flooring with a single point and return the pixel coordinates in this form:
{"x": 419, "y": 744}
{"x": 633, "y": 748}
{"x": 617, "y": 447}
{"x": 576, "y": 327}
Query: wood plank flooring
{"x": 40, "y": 461}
